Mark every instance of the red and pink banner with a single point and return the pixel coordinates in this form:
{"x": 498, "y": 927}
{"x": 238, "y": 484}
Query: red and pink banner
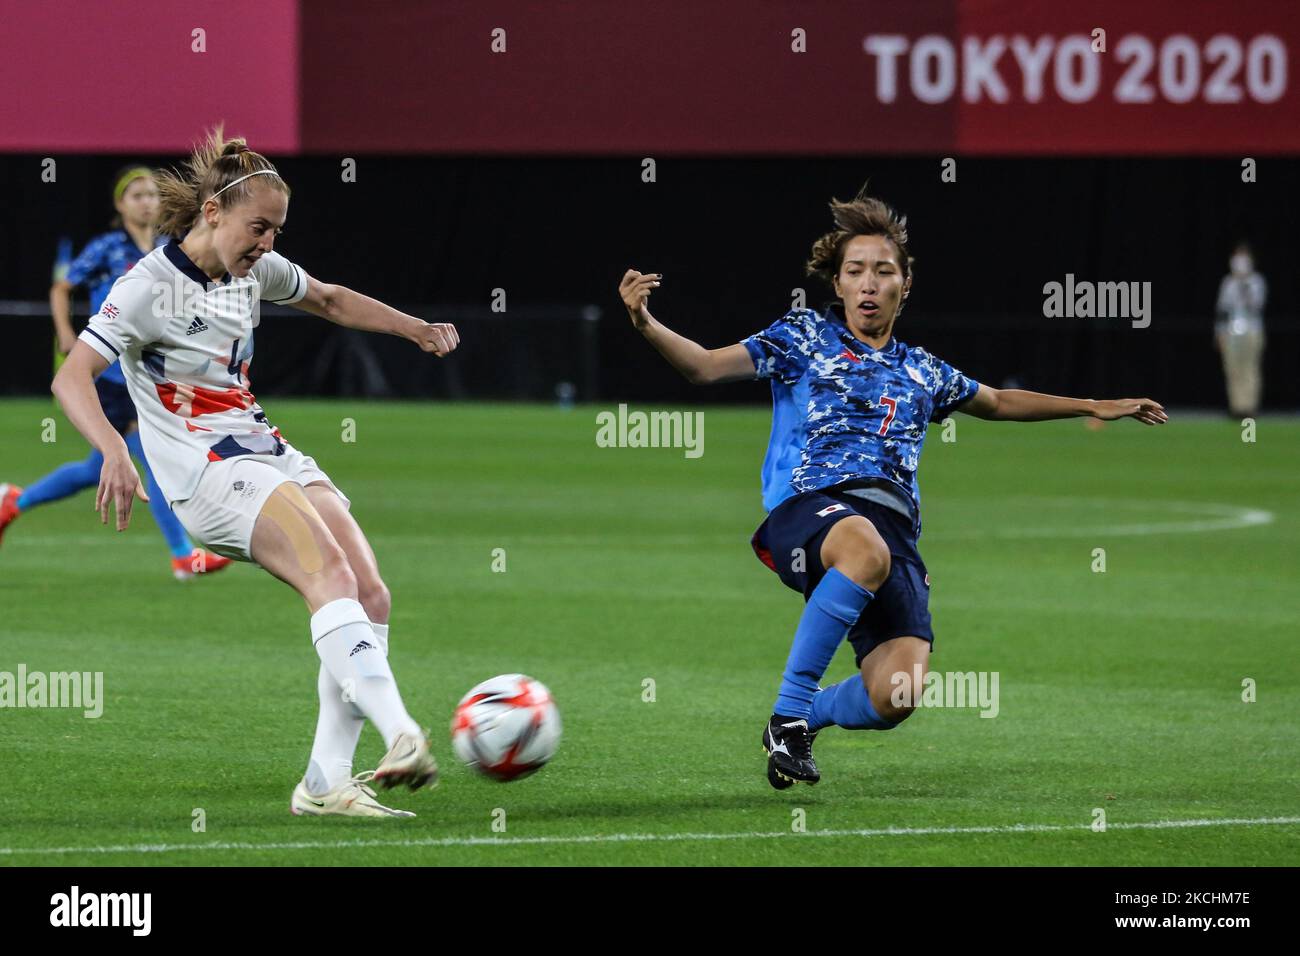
{"x": 147, "y": 76}
{"x": 961, "y": 77}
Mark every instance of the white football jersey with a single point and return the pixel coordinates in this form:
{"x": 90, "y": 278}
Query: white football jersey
{"x": 185, "y": 343}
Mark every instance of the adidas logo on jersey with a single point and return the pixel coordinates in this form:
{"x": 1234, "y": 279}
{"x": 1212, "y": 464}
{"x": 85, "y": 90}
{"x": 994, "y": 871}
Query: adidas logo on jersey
{"x": 196, "y": 326}
{"x": 363, "y": 646}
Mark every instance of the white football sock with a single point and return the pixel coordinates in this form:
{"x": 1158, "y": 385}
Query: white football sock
{"x": 381, "y": 632}
{"x": 351, "y": 652}
{"x": 338, "y": 728}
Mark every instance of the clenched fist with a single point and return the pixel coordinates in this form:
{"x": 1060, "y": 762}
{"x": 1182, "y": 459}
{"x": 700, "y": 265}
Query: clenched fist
{"x": 437, "y": 337}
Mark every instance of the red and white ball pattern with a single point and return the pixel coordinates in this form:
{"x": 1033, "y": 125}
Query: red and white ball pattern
{"x": 506, "y": 727}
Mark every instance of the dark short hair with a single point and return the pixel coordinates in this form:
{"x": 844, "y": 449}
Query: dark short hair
{"x": 862, "y": 216}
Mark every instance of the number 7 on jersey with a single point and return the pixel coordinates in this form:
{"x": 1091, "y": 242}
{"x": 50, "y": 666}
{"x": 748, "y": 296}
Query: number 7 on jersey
{"x": 892, "y": 405}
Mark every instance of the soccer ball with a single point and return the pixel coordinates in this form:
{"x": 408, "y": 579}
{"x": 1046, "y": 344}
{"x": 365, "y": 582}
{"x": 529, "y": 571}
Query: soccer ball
{"x": 506, "y": 727}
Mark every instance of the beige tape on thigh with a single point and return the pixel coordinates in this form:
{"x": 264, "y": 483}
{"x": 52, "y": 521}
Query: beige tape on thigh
{"x": 290, "y": 511}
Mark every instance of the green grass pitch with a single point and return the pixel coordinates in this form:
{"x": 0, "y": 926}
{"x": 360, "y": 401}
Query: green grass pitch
{"x": 1119, "y": 690}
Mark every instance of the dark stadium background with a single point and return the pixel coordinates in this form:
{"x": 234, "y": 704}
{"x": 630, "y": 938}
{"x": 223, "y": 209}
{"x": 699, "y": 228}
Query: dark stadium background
{"x": 473, "y": 174}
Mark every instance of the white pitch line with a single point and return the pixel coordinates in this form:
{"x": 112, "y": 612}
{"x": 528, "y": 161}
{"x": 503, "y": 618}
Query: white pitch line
{"x": 1221, "y": 517}
{"x": 644, "y": 837}
{"x": 1211, "y": 516}
{"x": 1243, "y": 518}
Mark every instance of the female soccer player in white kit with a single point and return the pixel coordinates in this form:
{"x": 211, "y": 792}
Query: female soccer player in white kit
{"x": 181, "y": 323}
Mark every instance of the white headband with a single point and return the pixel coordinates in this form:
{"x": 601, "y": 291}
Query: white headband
{"x": 236, "y": 182}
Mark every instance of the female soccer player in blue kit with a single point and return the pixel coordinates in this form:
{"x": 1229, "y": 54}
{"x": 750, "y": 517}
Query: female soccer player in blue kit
{"x": 105, "y": 259}
{"x": 851, "y": 405}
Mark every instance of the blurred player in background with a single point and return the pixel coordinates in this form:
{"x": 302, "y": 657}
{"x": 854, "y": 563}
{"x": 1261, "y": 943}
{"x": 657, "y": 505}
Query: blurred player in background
{"x": 851, "y": 405}
{"x": 1239, "y": 331}
{"x": 182, "y": 322}
{"x": 104, "y": 260}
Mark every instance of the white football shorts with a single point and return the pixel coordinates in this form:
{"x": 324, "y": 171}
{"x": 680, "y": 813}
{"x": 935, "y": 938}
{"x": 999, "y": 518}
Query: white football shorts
{"x": 231, "y": 492}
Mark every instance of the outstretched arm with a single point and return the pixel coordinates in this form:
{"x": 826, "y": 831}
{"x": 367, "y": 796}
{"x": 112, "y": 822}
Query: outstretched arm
{"x": 1018, "y": 405}
{"x": 353, "y": 310}
{"x": 699, "y": 365}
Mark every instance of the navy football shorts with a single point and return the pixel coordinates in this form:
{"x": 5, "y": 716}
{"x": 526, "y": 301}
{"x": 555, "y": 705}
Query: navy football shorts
{"x": 901, "y": 607}
{"x": 117, "y": 404}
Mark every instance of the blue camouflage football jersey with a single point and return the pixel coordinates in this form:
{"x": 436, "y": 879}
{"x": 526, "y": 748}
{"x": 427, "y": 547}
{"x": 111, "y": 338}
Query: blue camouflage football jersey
{"x": 842, "y": 410}
{"x": 106, "y": 259}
